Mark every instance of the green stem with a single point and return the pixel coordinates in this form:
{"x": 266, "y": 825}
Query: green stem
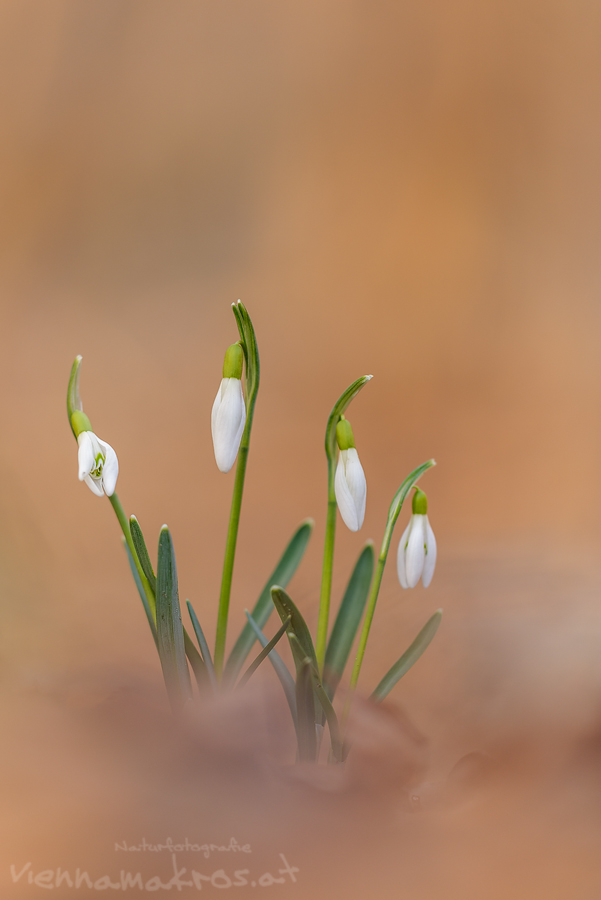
{"x": 230, "y": 553}
{"x": 326, "y": 575}
{"x": 252, "y": 375}
{"x": 124, "y": 523}
{"x": 371, "y": 608}
{"x": 393, "y": 514}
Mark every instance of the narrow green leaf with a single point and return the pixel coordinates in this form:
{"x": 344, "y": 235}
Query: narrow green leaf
{"x": 338, "y": 410}
{"x": 264, "y": 653}
{"x": 140, "y": 545}
{"x": 201, "y": 672}
{"x": 202, "y": 643}
{"x": 348, "y": 619}
{"x": 140, "y": 588}
{"x": 330, "y": 714}
{"x": 409, "y": 657}
{"x": 297, "y": 627}
{"x": 282, "y": 574}
{"x": 281, "y": 669}
{"x": 305, "y": 706}
{"x": 170, "y": 631}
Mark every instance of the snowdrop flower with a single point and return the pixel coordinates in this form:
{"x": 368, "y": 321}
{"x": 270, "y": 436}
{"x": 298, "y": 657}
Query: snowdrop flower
{"x": 350, "y": 485}
{"x": 416, "y": 557}
{"x": 228, "y": 416}
{"x": 98, "y": 463}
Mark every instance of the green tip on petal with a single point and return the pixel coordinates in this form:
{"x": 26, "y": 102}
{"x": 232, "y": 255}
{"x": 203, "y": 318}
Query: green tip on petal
{"x": 234, "y": 359}
{"x": 344, "y": 434}
{"x": 420, "y": 503}
{"x": 80, "y": 422}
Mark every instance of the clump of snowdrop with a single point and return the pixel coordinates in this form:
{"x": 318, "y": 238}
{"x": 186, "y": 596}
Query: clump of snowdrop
{"x": 228, "y": 415}
{"x": 416, "y": 557}
{"x": 319, "y": 665}
{"x": 350, "y": 484}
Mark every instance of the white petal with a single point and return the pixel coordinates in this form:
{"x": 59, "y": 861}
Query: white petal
{"x": 344, "y": 498}
{"x": 110, "y": 470}
{"x": 238, "y": 435}
{"x": 95, "y": 485}
{"x": 400, "y": 557}
{"x": 416, "y": 552}
{"x": 352, "y": 514}
{"x": 357, "y": 485}
{"x": 227, "y": 422}
{"x": 430, "y": 561}
{"x": 85, "y": 454}
{"x": 215, "y": 409}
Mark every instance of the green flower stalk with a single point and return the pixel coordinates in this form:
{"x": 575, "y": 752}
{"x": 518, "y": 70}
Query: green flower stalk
{"x": 99, "y": 468}
{"x": 331, "y": 446}
{"x": 393, "y": 514}
{"x": 226, "y": 426}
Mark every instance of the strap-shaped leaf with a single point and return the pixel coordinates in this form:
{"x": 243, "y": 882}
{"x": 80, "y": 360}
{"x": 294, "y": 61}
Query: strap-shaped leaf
{"x": 143, "y": 597}
{"x": 305, "y": 710}
{"x": 296, "y": 626}
{"x": 170, "y": 631}
{"x": 281, "y": 669}
{"x": 140, "y": 545}
{"x": 202, "y": 643}
{"x": 330, "y": 714}
{"x": 409, "y": 657}
{"x": 201, "y": 672}
{"x": 348, "y": 619}
{"x": 283, "y": 572}
{"x": 199, "y": 668}
{"x": 262, "y": 655}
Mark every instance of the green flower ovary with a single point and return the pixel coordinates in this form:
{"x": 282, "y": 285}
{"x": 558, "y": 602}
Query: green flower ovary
{"x": 420, "y": 502}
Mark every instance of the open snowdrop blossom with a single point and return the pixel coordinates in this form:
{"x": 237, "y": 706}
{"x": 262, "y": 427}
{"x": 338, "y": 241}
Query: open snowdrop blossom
{"x": 416, "y": 557}
{"x": 350, "y": 485}
{"x": 228, "y": 416}
{"x": 98, "y": 463}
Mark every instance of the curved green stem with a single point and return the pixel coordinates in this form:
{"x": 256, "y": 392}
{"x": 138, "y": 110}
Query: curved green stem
{"x": 251, "y": 357}
{"x": 326, "y": 574}
{"x": 331, "y": 449}
{"x": 393, "y": 514}
{"x": 369, "y": 614}
{"x": 124, "y": 523}
{"x": 230, "y": 554}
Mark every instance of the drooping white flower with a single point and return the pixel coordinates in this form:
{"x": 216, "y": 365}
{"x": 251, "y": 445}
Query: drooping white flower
{"x": 228, "y": 415}
{"x": 349, "y": 484}
{"x": 416, "y": 557}
{"x": 98, "y": 464}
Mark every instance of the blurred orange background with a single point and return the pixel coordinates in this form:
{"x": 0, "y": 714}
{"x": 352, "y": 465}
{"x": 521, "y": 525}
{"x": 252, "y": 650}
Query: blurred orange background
{"x": 405, "y": 189}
